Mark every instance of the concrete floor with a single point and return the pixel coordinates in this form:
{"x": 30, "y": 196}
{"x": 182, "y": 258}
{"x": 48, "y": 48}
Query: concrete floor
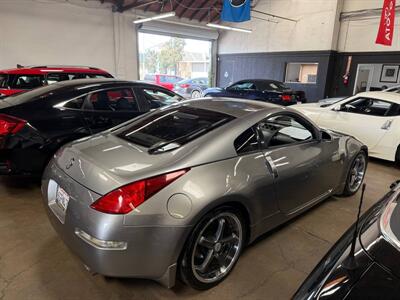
{"x": 35, "y": 264}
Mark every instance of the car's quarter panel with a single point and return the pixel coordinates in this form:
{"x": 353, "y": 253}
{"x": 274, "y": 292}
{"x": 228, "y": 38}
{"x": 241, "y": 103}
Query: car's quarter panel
{"x": 142, "y": 257}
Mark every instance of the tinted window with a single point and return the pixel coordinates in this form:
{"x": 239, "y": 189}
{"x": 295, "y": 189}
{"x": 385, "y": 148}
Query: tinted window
{"x": 246, "y": 142}
{"x": 168, "y": 129}
{"x": 158, "y": 98}
{"x": 367, "y": 106}
{"x": 39, "y": 93}
{"x": 74, "y": 103}
{"x": 242, "y": 86}
{"x": 283, "y": 130}
{"x": 27, "y": 82}
{"x": 57, "y": 77}
{"x": 273, "y": 86}
{"x": 3, "y": 81}
{"x": 112, "y": 100}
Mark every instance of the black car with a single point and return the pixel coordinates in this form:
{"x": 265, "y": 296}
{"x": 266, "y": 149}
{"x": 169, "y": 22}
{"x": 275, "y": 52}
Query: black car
{"x": 33, "y": 125}
{"x": 191, "y": 88}
{"x": 373, "y": 272}
{"x": 259, "y": 89}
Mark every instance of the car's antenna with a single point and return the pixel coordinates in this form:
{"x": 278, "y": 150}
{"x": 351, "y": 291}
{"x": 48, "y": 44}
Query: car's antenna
{"x": 350, "y": 262}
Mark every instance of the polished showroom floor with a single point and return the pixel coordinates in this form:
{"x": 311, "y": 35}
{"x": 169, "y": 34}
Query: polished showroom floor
{"x": 35, "y": 264}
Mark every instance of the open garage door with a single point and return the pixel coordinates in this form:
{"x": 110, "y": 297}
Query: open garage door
{"x": 180, "y": 58}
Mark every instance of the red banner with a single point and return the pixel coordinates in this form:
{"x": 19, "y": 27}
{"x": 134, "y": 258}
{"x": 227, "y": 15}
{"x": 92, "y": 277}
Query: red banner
{"x": 386, "y": 27}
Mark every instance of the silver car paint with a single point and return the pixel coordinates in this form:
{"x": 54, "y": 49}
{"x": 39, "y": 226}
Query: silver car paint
{"x": 156, "y": 231}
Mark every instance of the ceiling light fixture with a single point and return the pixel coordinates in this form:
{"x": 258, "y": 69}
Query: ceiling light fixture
{"x": 229, "y": 28}
{"x": 157, "y": 17}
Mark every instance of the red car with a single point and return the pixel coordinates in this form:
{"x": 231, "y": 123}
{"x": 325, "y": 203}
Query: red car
{"x": 22, "y": 78}
{"x": 167, "y": 81}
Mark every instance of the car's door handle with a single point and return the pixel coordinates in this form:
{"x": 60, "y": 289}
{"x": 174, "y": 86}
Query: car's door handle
{"x": 271, "y": 166}
{"x": 387, "y": 124}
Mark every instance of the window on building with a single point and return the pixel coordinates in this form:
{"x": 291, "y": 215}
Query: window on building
{"x": 301, "y": 72}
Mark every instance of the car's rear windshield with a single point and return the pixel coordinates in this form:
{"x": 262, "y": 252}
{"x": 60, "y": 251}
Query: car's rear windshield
{"x": 168, "y": 129}
{"x": 31, "y": 95}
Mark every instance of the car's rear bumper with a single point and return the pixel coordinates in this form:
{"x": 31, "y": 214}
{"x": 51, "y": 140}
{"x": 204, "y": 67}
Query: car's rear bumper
{"x": 151, "y": 251}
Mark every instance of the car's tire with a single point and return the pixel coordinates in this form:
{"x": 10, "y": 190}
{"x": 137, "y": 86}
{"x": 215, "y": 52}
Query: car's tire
{"x": 356, "y": 174}
{"x": 397, "y": 157}
{"x": 195, "y": 94}
{"x": 213, "y": 248}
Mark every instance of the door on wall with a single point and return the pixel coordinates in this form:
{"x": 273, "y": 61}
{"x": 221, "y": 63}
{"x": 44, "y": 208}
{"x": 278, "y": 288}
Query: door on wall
{"x": 364, "y": 77}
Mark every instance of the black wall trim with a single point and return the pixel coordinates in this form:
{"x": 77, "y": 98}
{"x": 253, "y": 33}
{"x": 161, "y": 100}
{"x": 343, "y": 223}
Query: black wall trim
{"x": 272, "y": 65}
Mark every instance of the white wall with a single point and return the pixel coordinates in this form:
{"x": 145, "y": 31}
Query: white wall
{"x": 360, "y": 35}
{"x": 75, "y": 33}
{"x": 314, "y": 30}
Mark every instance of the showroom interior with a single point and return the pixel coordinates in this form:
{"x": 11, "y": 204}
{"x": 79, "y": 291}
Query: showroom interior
{"x": 250, "y": 149}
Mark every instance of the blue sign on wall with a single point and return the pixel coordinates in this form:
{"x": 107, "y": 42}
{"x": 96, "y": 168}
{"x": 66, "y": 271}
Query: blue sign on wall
{"x": 236, "y": 11}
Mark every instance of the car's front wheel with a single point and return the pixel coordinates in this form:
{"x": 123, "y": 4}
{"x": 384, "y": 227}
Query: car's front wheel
{"x": 196, "y": 94}
{"x": 356, "y": 174}
{"x": 213, "y": 248}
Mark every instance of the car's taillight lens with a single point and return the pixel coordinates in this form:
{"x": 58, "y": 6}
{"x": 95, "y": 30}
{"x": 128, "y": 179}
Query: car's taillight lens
{"x": 10, "y": 125}
{"x": 184, "y": 86}
{"x": 286, "y": 97}
{"x": 127, "y": 198}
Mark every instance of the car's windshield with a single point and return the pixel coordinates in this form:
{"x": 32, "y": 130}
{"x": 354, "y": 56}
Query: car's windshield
{"x": 330, "y": 101}
{"x": 171, "y": 128}
{"x": 273, "y": 86}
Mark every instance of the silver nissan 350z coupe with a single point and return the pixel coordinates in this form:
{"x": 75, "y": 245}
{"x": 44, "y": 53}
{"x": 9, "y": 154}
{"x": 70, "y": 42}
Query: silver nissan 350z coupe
{"x": 182, "y": 189}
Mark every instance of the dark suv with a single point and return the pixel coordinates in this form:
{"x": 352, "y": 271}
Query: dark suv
{"x": 22, "y": 78}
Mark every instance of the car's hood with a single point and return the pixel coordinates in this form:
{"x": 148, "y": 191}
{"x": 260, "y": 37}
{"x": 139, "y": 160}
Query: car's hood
{"x": 213, "y": 90}
{"x": 311, "y": 110}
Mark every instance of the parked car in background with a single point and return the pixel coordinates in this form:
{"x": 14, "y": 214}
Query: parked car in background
{"x": 371, "y": 117}
{"x": 373, "y": 272}
{"x": 191, "y": 88}
{"x": 155, "y": 183}
{"x": 22, "y": 79}
{"x": 259, "y": 89}
{"x": 34, "y": 124}
{"x": 167, "y": 81}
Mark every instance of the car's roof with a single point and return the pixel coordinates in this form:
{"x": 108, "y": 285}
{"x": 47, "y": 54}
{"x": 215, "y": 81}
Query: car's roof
{"x": 232, "y": 106}
{"x": 388, "y": 96}
{"x": 259, "y": 80}
{"x": 38, "y": 70}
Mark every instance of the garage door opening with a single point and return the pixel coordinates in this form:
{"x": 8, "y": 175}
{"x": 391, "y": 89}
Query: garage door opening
{"x": 175, "y": 63}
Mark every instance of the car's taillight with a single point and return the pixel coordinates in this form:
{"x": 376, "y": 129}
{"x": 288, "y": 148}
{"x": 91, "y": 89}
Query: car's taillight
{"x": 127, "y": 198}
{"x": 286, "y": 97}
{"x": 10, "y": 125}
{"x": 184, "y": 85}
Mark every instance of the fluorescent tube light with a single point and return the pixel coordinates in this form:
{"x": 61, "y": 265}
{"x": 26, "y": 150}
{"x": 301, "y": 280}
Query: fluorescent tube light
{"x": 157, "y": 17}
{"x": 229, "y": 28}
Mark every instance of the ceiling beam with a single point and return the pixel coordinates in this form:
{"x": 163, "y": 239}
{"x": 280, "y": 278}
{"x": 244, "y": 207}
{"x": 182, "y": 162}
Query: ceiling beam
{"x": 208, "y": 12}
{"x": 194, "y": 14}
{"x": 184, "y": 9}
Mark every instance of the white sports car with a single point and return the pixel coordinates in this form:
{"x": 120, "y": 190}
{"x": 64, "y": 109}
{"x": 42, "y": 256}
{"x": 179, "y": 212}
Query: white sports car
{"x": 371, "y": 117}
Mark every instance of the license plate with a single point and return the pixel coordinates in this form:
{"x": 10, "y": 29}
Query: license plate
{"x": 62, "y": 198}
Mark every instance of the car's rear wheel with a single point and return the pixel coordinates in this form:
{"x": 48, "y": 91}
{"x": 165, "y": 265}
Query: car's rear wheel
{"x": 196, "y": 94}
{"x": 356, "y": 174}
{"x": 213, "y": 248}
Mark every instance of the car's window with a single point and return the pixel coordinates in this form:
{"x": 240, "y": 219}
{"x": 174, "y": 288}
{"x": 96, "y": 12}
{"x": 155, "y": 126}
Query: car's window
{"x": 282, "y": 130}
{"x": 246, "y": 142}
{"x": 242, "y": 86}
{"x": 272, "y": 86}
{"x": 367, "y": 106}
{"x": 158, "y": 98}
{"x": 74, "y": 103}
{"x": 3, "y": 81}
{"x": 57, "y": 77}
{"x": 27, "y": 82}
{"x": 168, "y": 129}
{"x": 150, "y": 77}
{"x": 61, "y": 76}
{"x": 119, "y": 99}
{"x": 169, "y": 79}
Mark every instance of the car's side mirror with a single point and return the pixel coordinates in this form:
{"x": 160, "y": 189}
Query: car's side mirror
{"x": 337, "y": 108}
